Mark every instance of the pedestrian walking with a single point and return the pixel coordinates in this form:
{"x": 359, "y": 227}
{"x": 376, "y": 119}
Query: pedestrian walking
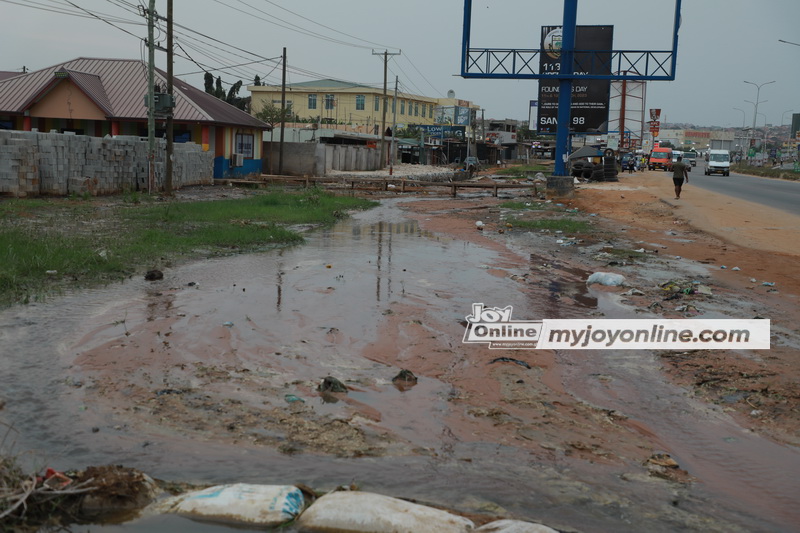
{"x": 679, "y": 174}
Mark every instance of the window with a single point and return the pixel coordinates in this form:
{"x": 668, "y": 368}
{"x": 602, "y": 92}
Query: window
{"x": 402, "y": 107}
{"x": 361, "y": 102}
{"x": 416, "y": 109}
{"x": 244, "y": 144}
{"x": 330, "y": 101}
{"x": 394, "y": 105}
{"x": 377, "y": 103}
{"x": 312, "y": 101}
{"x": 424, "y": 110}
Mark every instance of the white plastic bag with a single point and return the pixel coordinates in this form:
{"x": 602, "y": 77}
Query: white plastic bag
{"x": 240, "y": 503}
{"x": 606, "y": 278}
{"x": 514, "y": 526}
{"x": 364, "y": 512}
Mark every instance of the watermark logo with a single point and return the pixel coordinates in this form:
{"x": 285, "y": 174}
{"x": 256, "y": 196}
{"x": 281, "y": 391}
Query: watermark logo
{"x": 494, "y": 326}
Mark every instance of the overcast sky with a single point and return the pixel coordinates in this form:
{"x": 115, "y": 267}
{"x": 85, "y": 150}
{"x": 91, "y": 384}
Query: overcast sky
{"x": 722, "y": 43}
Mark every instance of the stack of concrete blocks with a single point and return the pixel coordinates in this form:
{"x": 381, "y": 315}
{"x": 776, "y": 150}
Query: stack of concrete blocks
{"x": 33, "y": 163}
{"x": 54, "y": 150}
{"x": 19, "y": 165}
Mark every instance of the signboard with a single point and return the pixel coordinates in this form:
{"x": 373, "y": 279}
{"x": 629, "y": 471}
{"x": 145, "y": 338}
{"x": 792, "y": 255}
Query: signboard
{"x": 443, "y": 131}
{"x": 655, "y": 114}
{"x": 533, "y": 115}
{"x": 589, "y": 113}
{"x": 458, "y": 115}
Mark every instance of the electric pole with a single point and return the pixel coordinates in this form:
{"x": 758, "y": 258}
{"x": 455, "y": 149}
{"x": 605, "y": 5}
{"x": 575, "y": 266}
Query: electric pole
{"x": 283, "y": 114}
{"x": 394, "y": 126}
{"x": 385, "y": 55}
{"x": 170, "y": 125}
{"x": 151, "y": 96}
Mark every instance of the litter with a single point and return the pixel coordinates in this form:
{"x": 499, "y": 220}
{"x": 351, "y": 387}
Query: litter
{"x": 514, "y": 526}
{"x": 362, "y": 512}
{"x": 769, "y": 284}
{"x": 240, "y": 503}
{"x": 510, "y": 360}
{"x": 606, "y": 278}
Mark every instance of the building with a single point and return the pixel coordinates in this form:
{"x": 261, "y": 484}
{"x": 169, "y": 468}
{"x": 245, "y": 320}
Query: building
{"x": 337, "y": 102}
{"x": 100, "y": 97}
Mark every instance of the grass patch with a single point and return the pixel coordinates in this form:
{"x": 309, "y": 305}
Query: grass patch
{"x": 521, "y": 171}
{"x": 765, "y": 172}
{"x": 565, "y": 225}
{"x": 50, "y": 244}
{"x": 529, "y": 206}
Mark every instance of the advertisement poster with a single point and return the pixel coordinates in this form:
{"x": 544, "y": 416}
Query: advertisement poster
{"x": 590, "y": 98}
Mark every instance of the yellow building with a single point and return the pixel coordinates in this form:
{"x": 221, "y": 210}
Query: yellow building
{"x": 338, "y": 102}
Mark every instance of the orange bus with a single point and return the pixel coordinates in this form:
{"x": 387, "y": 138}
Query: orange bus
{"x": 660, "y": 158}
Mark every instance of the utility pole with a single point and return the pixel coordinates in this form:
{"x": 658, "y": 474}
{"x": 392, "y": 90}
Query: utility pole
{"x": 394, "y": 126}
{"x": 283, "y": 115}
{"x": 170, "y": 124}
{"x": 385, "y": 55}
{"x": 151, "y": 96}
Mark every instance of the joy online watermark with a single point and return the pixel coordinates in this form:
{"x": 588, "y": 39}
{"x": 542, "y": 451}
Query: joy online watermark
{"x": 493, "y": 326}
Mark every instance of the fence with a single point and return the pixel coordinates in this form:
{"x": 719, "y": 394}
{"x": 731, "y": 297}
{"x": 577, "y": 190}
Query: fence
{"x": 34, "y": 163}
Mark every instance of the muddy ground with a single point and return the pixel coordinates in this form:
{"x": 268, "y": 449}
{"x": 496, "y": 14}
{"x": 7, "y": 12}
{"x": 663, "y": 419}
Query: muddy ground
{"x": 195, "y": 361}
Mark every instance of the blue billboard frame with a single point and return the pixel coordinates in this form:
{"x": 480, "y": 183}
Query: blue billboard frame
{"x": 512, "y": 63}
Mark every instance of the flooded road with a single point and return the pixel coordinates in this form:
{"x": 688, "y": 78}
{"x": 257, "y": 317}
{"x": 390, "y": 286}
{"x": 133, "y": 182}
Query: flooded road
{"x": 211, "y": 376}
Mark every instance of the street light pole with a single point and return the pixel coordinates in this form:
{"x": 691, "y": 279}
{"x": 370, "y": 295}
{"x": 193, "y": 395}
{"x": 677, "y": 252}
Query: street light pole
{"x": 743, "y": 115}
{"x": 758, "y": 92}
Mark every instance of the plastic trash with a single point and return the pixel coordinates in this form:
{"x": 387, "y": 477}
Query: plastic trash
{"x": 514, "y": 526}
{"x": 291, "y": 398}
{"x": 769, "y": 284}
{"x": 228, "y": 324}
{"x": 606, "y": 278}
{"x": 736, "y": 268}
{"x": 240, "y": 503}
{"x": 365, "y": 512}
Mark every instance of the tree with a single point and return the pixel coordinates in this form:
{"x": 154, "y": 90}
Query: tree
{"x": 219, "y": 92}
{"x": 209, "y": 82}
{"x": 272, "y": 115}
{"x": 257, "y": 81}
{"x": 233, "y": 95}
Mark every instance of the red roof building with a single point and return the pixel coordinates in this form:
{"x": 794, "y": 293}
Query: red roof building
{"x": 99, "y": 97}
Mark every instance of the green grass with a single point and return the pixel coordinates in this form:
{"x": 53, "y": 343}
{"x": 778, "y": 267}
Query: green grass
{"x": 565, "y": 225}
{"x": 766, "y": 172}
{"x": 90, "y": 242}
{"x": 518, "y": 171}
{"x": 530, "y": 206}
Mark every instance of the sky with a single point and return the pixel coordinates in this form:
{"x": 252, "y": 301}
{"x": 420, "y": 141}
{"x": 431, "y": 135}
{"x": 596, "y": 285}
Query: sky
{"x": 722, "y": 44}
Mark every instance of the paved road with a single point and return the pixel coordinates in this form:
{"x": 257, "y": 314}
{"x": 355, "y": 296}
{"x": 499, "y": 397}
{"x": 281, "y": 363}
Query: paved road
{"x": 779, "y": 194}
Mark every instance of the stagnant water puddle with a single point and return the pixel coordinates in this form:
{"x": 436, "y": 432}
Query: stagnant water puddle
{"x": 139, "y": 374}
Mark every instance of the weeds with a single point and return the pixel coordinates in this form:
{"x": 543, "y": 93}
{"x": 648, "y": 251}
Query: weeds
{"x": 48, "y": 245}
{"x": 530, "y": 206}
{"x": 520, "y": 171}
{"x": 565, "y": 225}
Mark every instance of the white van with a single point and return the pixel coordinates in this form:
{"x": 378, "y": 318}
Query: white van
{"x": 718, "y": 161}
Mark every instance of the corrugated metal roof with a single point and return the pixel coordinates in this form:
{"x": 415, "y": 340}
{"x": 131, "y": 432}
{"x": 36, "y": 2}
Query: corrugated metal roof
{"x": 329, "y": 84}
{"x": 118, "y": 87}
{"x": 5, "y": 74}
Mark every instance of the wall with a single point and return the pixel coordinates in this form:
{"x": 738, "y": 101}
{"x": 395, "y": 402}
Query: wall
{"x": 314, "y": 159}
{"x": 33, "y": 163}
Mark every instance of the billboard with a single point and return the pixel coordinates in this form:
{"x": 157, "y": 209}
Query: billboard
{"x": 444, "y": 131}
{"x": 589, "y": 97}
{"x": 459, "y": 115}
